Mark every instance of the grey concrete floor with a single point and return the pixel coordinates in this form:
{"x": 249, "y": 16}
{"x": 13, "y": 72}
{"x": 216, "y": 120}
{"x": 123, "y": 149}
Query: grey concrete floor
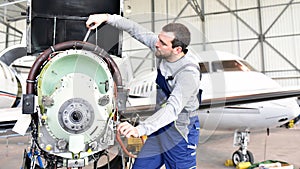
{"x": 282, "y": 144}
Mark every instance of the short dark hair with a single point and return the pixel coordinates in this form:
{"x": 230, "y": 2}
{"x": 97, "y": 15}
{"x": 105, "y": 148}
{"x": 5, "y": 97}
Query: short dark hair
{"x": 182, "y": 34}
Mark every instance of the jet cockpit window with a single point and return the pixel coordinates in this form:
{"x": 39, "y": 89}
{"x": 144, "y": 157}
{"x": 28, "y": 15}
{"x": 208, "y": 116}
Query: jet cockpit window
{"x": 248, "y": 65}
{"x": 231, "y": 65}
{"x": 204, "y": 67}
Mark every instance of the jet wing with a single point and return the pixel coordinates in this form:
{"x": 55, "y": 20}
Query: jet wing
{"x": 10, "y": 115}
{"x": 249, "y": 98}
{"x": 224, "y": 101}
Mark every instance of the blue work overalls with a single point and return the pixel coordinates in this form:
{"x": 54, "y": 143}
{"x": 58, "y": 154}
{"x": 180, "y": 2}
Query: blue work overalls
{"x": 167, "y": 146}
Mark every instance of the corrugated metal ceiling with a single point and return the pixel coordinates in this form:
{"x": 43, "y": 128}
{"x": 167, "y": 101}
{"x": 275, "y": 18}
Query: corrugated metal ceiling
{"x": 11, "y": 10}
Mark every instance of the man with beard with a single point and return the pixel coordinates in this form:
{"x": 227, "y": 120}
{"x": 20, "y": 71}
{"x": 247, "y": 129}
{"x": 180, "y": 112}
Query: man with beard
{"x": 173, "y": 130}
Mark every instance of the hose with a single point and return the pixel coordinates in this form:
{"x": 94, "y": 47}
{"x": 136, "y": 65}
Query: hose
{"x": 42, "y": 58}
{"x": 118, "y": 137}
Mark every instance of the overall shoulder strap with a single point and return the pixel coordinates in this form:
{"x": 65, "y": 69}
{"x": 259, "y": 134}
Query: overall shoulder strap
{"x": 162, "y": 83}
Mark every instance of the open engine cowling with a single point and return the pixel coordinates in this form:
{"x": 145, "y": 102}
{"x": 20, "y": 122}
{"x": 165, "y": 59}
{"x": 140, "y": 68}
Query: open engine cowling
{"x": 76, "y": 84}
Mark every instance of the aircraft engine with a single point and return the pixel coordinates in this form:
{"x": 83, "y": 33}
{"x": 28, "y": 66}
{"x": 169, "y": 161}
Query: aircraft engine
{"x": 8, "y": 86}
{"x": 76, "y": 86}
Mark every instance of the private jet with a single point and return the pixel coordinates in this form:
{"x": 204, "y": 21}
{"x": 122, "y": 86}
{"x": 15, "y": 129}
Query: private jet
{"x": 235, "y": 97}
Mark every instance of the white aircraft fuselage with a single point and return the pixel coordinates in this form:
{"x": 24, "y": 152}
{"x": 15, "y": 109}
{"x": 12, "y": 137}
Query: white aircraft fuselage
{"x": 225, "y": 75}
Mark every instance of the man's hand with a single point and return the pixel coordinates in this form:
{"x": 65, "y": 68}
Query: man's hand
{"x": 96, "y": 20}
{"x": 127, "y": 130}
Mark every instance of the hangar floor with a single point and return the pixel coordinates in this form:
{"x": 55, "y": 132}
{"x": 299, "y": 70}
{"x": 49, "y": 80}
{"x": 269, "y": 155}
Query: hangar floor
{"x": 282, "y": 144}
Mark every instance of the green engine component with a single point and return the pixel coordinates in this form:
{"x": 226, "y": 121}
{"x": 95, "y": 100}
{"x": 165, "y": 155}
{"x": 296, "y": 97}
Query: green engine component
{"x": 77, "y": 100}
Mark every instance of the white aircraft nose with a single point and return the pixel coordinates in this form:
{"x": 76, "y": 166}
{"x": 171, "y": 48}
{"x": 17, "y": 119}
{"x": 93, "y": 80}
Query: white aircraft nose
{"x": 281, "y": 111}
{"x": 294, "y": 106}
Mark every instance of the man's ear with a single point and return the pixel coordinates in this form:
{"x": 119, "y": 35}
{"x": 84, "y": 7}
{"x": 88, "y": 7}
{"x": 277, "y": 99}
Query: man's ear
{"x": 177, "y": 49}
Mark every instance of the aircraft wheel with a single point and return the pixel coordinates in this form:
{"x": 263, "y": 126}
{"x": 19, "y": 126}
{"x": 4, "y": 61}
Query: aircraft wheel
{"x": 237, "y": 157}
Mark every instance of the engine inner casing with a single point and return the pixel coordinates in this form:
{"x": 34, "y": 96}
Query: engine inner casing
{"x": 76, "y": 96}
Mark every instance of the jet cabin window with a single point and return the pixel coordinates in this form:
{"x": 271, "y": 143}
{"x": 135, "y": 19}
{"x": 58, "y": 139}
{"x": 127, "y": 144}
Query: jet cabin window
{"x": 231, "y": 65}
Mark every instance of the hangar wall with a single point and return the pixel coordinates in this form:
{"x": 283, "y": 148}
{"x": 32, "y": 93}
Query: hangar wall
{"x": 9, "y": 36}
{"x": 264, "y": 32}
{"x": 12, "y": 23}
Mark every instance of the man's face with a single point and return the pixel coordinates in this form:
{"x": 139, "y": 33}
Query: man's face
{"x": 164, "y": 45}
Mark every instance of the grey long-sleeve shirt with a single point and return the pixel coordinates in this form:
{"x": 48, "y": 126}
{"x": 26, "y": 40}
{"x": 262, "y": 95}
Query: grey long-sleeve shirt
{"x": 184, "y": 87}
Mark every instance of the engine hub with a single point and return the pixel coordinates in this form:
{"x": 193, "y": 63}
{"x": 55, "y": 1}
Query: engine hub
{"x": 75, "y": 115}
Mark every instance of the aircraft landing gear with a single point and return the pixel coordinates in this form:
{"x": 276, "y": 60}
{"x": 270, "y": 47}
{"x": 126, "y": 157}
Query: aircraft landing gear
{"x": 241, "y": 139}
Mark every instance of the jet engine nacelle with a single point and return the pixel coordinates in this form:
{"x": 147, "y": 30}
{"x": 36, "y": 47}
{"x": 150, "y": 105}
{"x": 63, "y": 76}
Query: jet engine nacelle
{"x": 8, "y": 86}
{"x": 76, "y": 85}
